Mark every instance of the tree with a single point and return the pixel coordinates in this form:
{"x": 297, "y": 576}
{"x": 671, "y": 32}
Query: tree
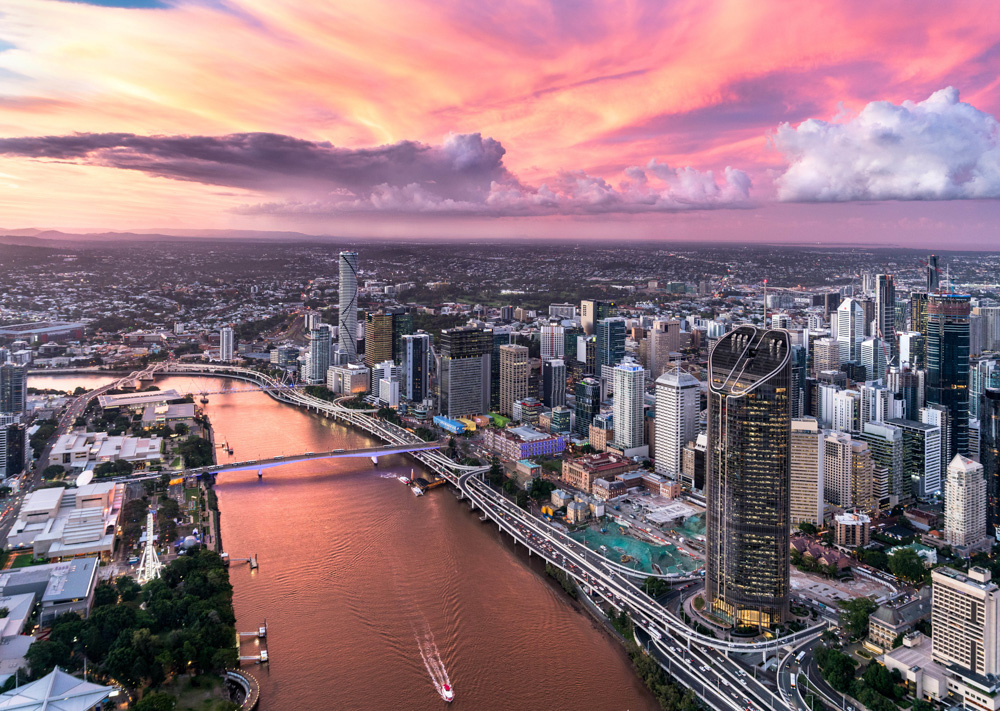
{"x": 808, "y": 528}
{"x": 52, "y": 471}
{"x": 181, "y": 429}
{"x": 878, "y": 678}
{"x": 157, "y": 701}
{"x": 836, "y": 667}
{"x": 496, "y": 473}
{"x": 854, "y": 615}
{"x": 876, "y": 559}
{"x": 907, "y": 565}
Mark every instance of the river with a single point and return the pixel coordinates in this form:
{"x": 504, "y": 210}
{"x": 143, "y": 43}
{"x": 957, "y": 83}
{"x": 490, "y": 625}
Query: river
{"x": 370, "y": 593}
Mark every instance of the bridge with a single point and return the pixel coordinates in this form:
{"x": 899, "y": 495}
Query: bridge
{"x": 259, "y": 465}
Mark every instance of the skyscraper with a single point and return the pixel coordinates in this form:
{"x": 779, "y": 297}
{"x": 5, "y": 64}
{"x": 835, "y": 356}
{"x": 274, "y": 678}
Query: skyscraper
{"x": 553, "y": 345}
{"x": 464, "y": 371}
{"x": 748, "y": 476}
{"x": 965, "y": 618}
{"x": 965, "y": 505}
{"x": 226, "y": 343}
{"x": 501, "y": 337}
{"x": 948, "y": 364}
{"x": 588, "y": 405}
{"x": 610, "y": 342}
{"x": 513, "y": 377}
{"x": 554, "y": 382}
{"x": 592, "y": 311}
{"x": 873, "y": 357}
{"x": 806, "y": 480}
{"x": 416, "y": 355}
{"x": 933, "y": 274}
{"x": 989, "y": 456}
{"x": 13, "y": 387}
{"x": 348, "y": 318}
{"x": 850, "y": 330}
{"x": 378, "y": 338}
{"x": 848, "y": 473}
{"x": 921, "y": 457}
{"x": 678, "y": 401}
{"x": 885, "y": 311}
{"x": 885, "y": 442}
{"x": 320, "y": 340}
{"x": 630, "y": 383}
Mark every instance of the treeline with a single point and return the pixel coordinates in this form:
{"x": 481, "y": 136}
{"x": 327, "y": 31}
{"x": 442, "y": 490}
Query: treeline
{"x": 197, "y": 452}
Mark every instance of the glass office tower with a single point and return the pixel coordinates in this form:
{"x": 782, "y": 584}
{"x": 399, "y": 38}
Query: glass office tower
{"x": 748, "y": 476}
{"x": 948, "y": 364}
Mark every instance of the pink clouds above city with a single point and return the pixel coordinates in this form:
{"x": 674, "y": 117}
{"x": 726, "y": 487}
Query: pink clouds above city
{"x": 680, "y": 119}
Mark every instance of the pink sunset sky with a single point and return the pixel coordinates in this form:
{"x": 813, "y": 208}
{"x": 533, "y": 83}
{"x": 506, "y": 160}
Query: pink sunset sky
{"x": 825, "y": 121}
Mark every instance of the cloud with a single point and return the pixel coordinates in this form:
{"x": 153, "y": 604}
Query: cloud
{"x": 465, "y": 174}
{"x": 937, "y": 149}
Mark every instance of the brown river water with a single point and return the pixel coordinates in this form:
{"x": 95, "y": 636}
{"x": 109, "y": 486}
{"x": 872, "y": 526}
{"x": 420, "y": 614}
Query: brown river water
{"x": 374, "y": 597}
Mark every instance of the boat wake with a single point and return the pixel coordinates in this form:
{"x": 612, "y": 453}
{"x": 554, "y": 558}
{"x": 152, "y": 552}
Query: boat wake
{"x": 435, "y": 667}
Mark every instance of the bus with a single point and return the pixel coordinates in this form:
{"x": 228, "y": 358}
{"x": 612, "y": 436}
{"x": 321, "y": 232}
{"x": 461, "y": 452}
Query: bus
{"x": 792, "y": 679}
{"x": 799, "y": 656}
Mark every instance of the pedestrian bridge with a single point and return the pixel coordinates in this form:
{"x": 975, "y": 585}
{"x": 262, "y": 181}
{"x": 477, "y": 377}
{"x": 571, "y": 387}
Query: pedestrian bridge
{"x": 372, "y": 453}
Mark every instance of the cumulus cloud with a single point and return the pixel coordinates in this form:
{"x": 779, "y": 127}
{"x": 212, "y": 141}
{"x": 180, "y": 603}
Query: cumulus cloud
{"x": 465, "y": 174}
{"x": 937, "y": 149}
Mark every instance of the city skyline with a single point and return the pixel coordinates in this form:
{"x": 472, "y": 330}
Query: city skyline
{"x": 852, "y": 125}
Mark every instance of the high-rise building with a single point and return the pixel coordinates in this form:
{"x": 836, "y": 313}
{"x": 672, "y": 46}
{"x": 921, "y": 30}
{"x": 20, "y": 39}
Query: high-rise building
{"x": 991, "y": 326}
{"x": 885, "y": 442}
{"x": 664, "y": 339}
{"x": 989, "y": 455}
{"x": 416, "y": 357}
{"x": 933, "y": 274}
{"x": 630, "y": 385}
{"x": 402, "y": 325}
{"x": 982, "y": 374}
{"x": 501, "y": 337}
{"x": 748, "y": 476}
{"x": 678, "y": 403}
{"x": 806, "y": 500}
{"x": 873, "y": 358}
{"x": 320, "y": 341}
{"x": 912, "y": 349}
{"x": 592, "y": 311}
{"x": 513, "y": 377}
{"x": 227, "y": 346}
{"x": 850, "y": 330}
{"x": 825, "y": 355}
{"x": 885, "y": 311}
{"x": 464, "y": 371}
{"x": 965, "y": 505}
{"x": 588, "y": 404}
{"x": 13, "y": 445}
{"x": 348, "y": 319}
{"x": 552, "y": 341}
{"x": 554, "y": 382}
{"x": 14, "y": 387}
{"x": 918, "y": 312}
{"x": 965, "y": 619}
{"x": 848, "y": 473}
{"x": 378, "y": 338}
{"x": 799, "y": 373}
{"x": 610, "y": 342}
{"x": 921, "y": 457}
{"x": 948, "y": 364}
{"x": 846, "y": 411}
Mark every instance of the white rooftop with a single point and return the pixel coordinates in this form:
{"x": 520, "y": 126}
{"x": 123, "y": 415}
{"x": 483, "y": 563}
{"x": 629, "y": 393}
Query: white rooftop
{"x": 57, "y": 691}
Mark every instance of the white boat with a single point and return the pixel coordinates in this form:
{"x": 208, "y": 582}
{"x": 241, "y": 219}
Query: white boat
{"x": 403, "y": 479}
{"x": 417, "y": 491}
{"x": 448, "y": 693}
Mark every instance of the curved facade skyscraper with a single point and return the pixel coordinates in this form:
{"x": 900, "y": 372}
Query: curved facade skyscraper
{"x": 748, "y": 476}
{"x": 347, "y": 339}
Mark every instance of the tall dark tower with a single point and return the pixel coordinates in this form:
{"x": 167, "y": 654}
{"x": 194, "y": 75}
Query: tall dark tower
{"x": 885, "y": 312}
{"x": 933, "y": 275}
{"x": 989, "y": 453}
{"x": 948, "y": 363}
{"x": 748, "y": 476}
